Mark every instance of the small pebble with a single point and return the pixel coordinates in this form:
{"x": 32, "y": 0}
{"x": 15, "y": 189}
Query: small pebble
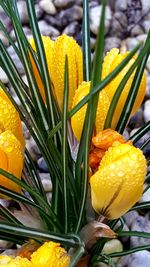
{"x": 42, "y": 165}
{"x": 47, "y": 30}
{"x": 3, "y": 76}
{"x": 140, "y": 224}
{"x": 48, "y": 7}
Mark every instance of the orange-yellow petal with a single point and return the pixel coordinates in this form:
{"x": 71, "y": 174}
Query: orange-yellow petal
{"x": 6, "y": 261}
{"x": 118, "y": 183}
{"x": 66, "y": 45}
{"x": 12, "y": 159}
{"x": 9, "y": 118}
{"x": 111, "y": 61}
{"x": 77, "y": 120}
{"x": 50, "y": 254}
{"x": 48, "y": 47}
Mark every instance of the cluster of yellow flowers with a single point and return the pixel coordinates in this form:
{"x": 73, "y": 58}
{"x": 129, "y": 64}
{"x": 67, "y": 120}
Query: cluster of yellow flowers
{"x": 113, "y": 181}
{"x": 49, "y": 254}
{"x": 11, "y": 142}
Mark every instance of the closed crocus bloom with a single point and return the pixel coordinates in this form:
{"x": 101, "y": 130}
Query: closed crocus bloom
{"x": 118, "y": 183}
{"x": 11, "y": 159}
{"x": 77, "y": 119}
{"x": 55, "y": 55}
{"x": 50, "y": 254}
{"x": 9, "y": 118}
{"x": 48, "y": 47}
{"x": 111, "y": 61}
{"x": 16, "y": 262}
{"x": 66, "y": 45}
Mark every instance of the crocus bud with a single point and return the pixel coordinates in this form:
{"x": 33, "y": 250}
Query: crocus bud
{"x": 11, "y": 159}
{"x": 9, "y": 118}
{"x": 50, "y": 254}
{"x": 111, "y": 61}
{"x": 118, "y": 183}
{"x": 55, "y": 54}
{"x": 48, "y": 47}
{"x": 77, "y": 119}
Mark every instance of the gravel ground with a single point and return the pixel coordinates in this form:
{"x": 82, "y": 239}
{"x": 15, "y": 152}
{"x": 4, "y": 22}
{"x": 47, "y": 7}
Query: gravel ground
{"x": 127, "y": 22}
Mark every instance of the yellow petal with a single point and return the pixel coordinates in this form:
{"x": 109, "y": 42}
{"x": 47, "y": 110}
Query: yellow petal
{"x": 77, "y": 120}
{"x": 66, "y": 45}
{"x": 4, "y": 259}
{"x": 12, "y": 159}
{"x": 48, "y": 47}
{"x": 50, "y": 254}
{"x": 9, "y": 118}
{"x": 111, "y": 61}
{"x": 118, "y": 183}
{"x": 16, "y": 262}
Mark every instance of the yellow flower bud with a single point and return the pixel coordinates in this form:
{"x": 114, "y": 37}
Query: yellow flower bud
{"x": 55, "y": 55}
{"x": 6, "y": 261}
{"x": 48, "y": 47}
{"x": 9, "y": 118}
{"x": 111, "y": 61}
{"x": 50, "y": 254}
{"x": 77, "y": 119}
{"x": 11, "y": 159}
{"x": 118, "y": 183}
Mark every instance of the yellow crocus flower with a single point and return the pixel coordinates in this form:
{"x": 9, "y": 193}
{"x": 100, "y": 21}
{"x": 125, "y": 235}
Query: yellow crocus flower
{"x": 77, "y": 119}
{"x": 111, "y": 61}
{"x": 11, "y": 159}
{"x": 50, "y": 254}
{"x": 118, "y": 183}
{"x": 55, "y": 56}
{"x": 9, "y": 118}
{"x": 6, "y": 261}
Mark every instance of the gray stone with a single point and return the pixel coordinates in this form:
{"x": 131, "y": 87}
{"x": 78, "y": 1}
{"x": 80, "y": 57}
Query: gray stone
{"x": 142, "y": 37}
{"x": 95, "y": 18}
{"x": 137, "y": 30}
{"x": 22, "y": 8}
{"x": 146, "y": 196}
{"x": 121, "y": 5}
{"x": 47, "y": 30}
{"x": 140, "y": 224}
{"x": 72, "y": 29}
{"x": 119, "y": 23}
{"x": 42, "y": 165}
{"x": 71, "y": 14}
{"x": 46, "y": 181}
{"x": 147, "y": 111}
{"x": 48, "y": 7}
{"x": 112, "y": 42}
{"x": 146, "y": 25}
{"x": 3, "y": 76}
{"x": 49, "y": 197}
{"x": 130, "y": 217}
{"x": 145, "y": 6}
{"x": 4, "y": 39}
{"x": 39, "y": 11}
{"x": 33, "y": 149}
{"x": 15, "y": 59}
{"x": 138, "y": 259}
{"x": 131, "y": 43}
{"x": 54, "y": 21}
{"x": 148, "y": 86}
{"x": 137, "y": 120}
{"x": 5, "y": 244}
{"x": 63, "y": 3}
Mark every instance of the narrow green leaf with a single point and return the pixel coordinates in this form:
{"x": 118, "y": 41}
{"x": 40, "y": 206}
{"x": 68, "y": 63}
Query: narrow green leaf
{"x": 125, "y": 115}
{"x": 134, "y": 233}
{"x": 86, "y": 42}
{"x": 145, "y": 143}
{"x": 140, "y": 133}
{"x": 130, "y": 251}
{"x": 144, "y": 205}
{"x": 28, "y": 232}
{"x": 64, "y": 145}
{"x": 8, "y": 215}
{"x": 84, "y": 146}
{"x": 42, "y": 60}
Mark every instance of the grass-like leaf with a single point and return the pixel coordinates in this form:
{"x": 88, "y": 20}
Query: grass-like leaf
{"x": 87, "y": 65}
